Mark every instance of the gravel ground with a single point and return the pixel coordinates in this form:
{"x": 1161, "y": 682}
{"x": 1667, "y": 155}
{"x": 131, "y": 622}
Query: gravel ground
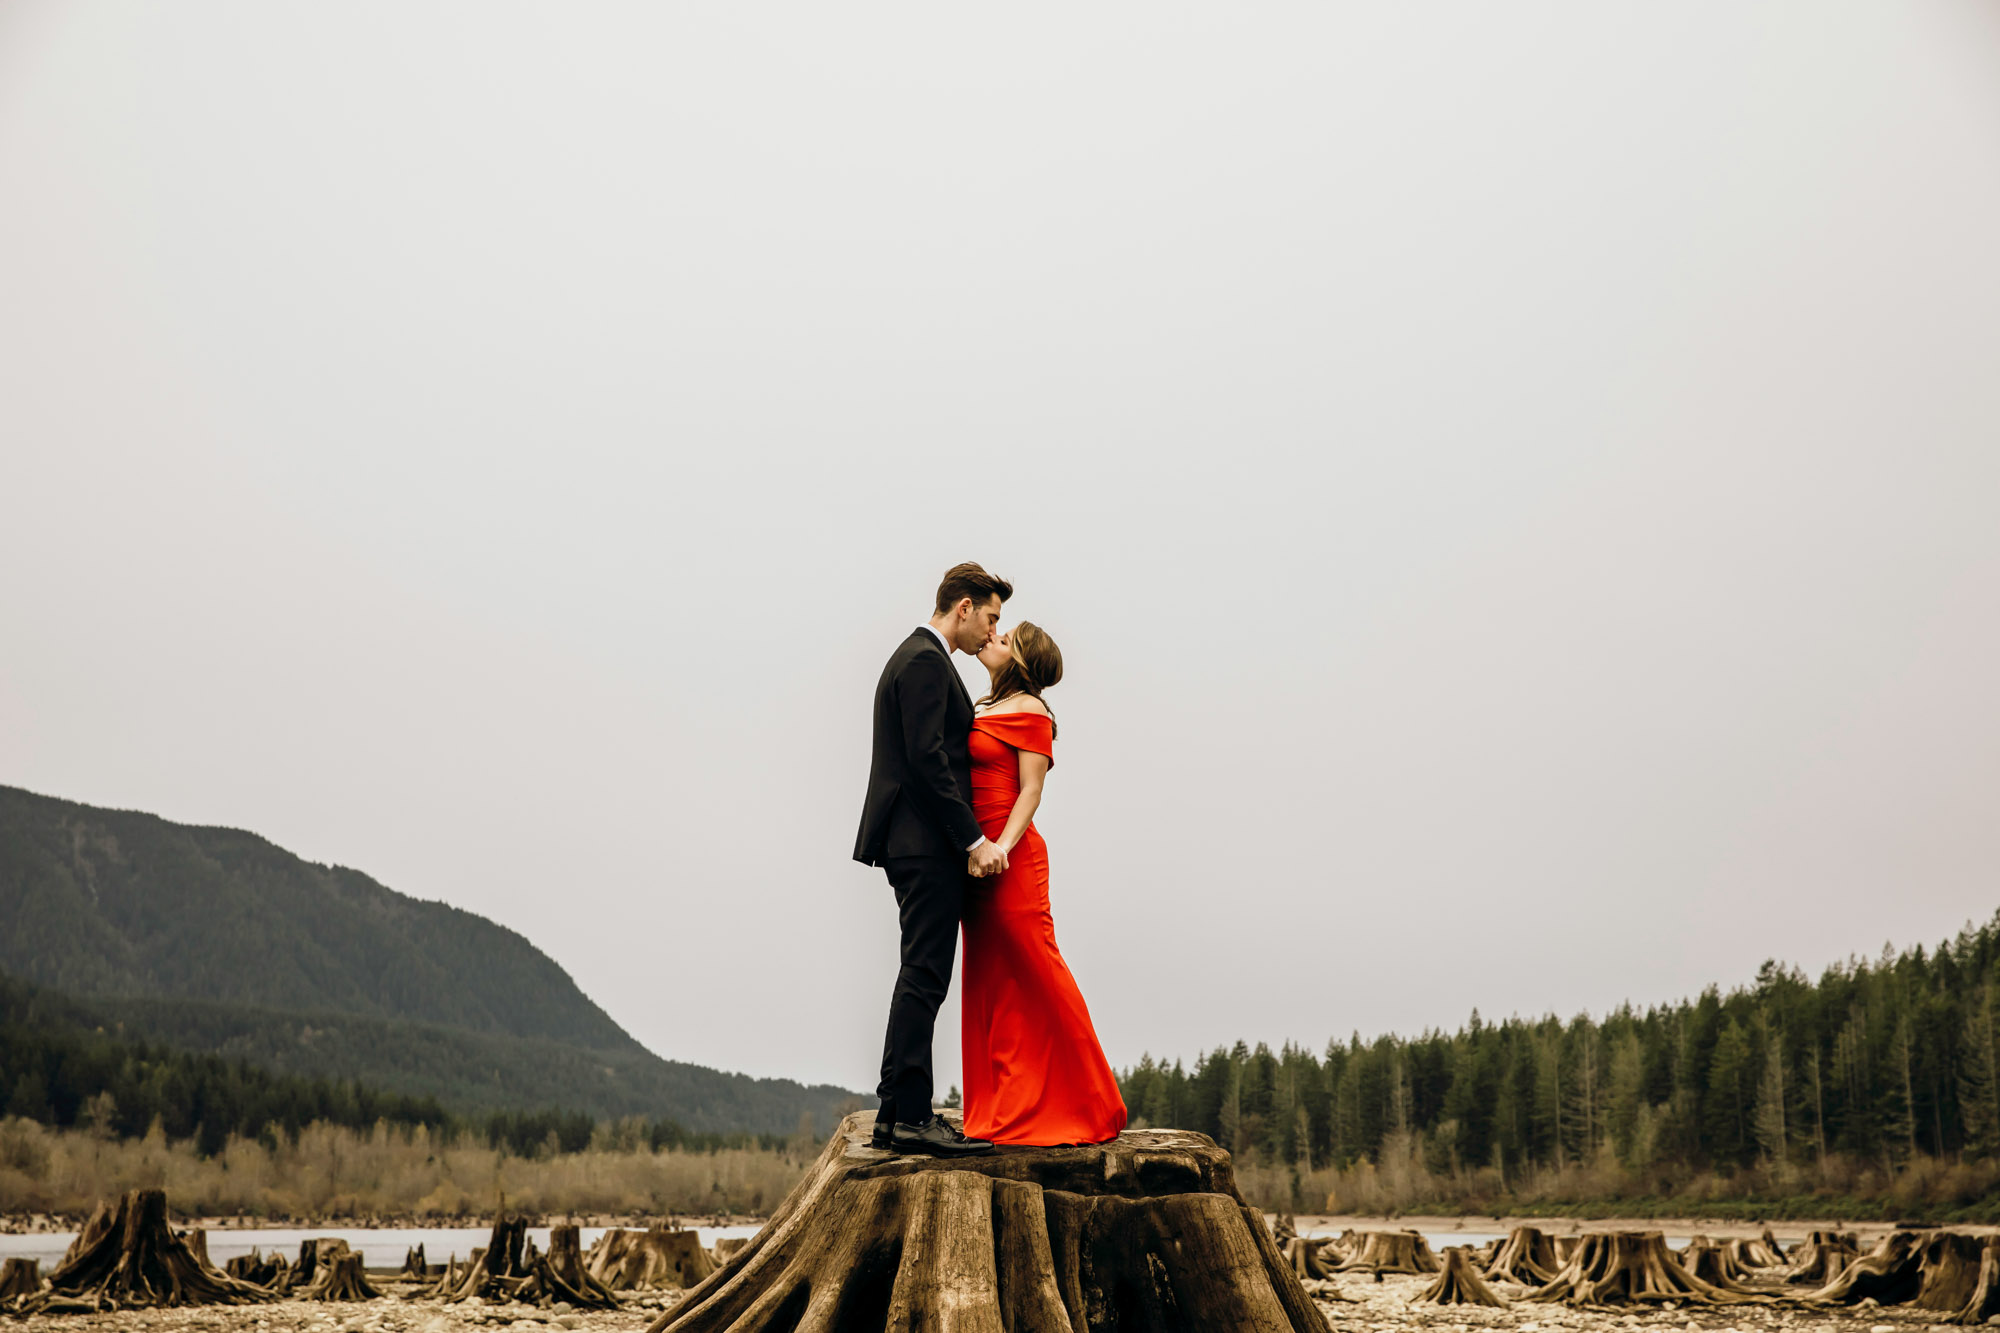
{"x": 1385, "y": 1307}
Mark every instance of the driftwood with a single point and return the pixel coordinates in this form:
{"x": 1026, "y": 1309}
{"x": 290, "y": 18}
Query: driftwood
{"x": 1621, "y": 1267}
{"x": 625, "y": 1259}
{"x": 1459, "y": 1282}
{"x": 1821, "y": 1257}
{"x": 1392, "y": 1252}
{"x": 340, "y": 1278}
{"x": 560, "y": 1275}
{"x": 1147, "y": 1230}
{"x": 137, "y": 1261}
{"x": 20, "y": 1277}
{"x": 1526, "y": 1256}
{"x": 1889, "y": 1274}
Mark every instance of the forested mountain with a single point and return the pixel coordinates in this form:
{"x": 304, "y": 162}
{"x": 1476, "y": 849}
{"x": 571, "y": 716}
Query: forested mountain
{"x": 1878, "y": 1066}
{"x": 214, "y": 940}
{"x": 111, "y": 902}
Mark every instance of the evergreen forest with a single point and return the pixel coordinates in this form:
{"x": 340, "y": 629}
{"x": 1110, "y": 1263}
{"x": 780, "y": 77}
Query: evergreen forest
{"x": 1873, "y": 1090}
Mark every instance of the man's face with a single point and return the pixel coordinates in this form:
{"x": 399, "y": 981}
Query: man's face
{"x": 976, "y": 629}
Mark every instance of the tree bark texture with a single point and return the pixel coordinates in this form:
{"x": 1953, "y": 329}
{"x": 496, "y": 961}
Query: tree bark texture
{"x": 137, "y": 1261}
{"x": 1146, "y": 1232}
{"x": 1458, "y": 1282}
{"x": 1948, "y": 1271}
{"x": 1624, "y": 1267}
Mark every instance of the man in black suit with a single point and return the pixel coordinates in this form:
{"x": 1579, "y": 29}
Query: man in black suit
{"x": 917, "y": 825}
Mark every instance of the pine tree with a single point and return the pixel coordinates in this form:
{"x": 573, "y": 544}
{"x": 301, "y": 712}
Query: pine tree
{"x": 1979, "y": 1075}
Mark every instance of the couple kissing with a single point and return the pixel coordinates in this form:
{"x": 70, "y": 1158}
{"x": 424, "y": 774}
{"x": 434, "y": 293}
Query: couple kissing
{"x": 952, "y": 793}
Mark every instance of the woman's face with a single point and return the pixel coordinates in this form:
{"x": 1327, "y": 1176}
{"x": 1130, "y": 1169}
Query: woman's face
{"x": 995, "y": 654}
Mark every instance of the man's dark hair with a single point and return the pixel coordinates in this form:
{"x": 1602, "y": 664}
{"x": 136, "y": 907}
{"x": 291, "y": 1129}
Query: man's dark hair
{"x": 969, "y": 580}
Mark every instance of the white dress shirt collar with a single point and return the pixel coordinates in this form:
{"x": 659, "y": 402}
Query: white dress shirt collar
{"x": 938, "y": 636}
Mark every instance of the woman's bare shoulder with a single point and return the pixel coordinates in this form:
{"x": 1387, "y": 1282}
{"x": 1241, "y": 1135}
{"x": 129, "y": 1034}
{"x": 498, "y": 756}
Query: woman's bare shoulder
{"x": 1019, "y": 703}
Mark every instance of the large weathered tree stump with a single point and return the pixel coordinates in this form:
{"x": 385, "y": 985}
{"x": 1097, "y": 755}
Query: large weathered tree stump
{"x": 1889, "y": 1274}
{"x": 1146, "y": 1232}
{"x": 1984, "y": 1301}
{"x": 137, "y": 1261}
{"x": 560, "y": 1275}
{"x": 20, "y": 1277}
{"x": 92, "y": 1231}
{"x": 1822, "y": 1257}
{"x": 340, "y": 1278}
{"x": 1623, "y": 1267}
{"x": 1526, "y": 1256}
{"x": 414, "y": 1263}
{"x": 1392, "y": 1252}
{"x": 626, "y": 1259}
{"x": 1459, "y": 1283}
{"x": 1947, "y": 1271}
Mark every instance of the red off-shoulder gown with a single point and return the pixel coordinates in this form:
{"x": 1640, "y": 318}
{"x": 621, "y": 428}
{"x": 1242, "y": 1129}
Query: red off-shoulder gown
{"x": 1034, "y": 1072}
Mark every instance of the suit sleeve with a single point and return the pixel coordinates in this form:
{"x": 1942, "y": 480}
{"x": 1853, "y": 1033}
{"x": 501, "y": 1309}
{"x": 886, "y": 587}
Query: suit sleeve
{"x": 921, "y": 692}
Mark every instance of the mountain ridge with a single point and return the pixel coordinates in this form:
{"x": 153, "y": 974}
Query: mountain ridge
{"x": 216, "y": 939}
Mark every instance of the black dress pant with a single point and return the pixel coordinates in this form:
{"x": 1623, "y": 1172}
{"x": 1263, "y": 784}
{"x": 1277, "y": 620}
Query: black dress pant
{"x": 930, "y": 891}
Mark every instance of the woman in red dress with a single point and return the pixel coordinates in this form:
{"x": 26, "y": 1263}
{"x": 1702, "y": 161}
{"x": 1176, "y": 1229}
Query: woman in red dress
{"x": 1034, "y": 1072}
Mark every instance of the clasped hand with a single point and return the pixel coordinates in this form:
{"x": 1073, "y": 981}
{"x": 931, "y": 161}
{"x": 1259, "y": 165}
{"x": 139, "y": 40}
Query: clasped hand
{"x": 986, "y": 859}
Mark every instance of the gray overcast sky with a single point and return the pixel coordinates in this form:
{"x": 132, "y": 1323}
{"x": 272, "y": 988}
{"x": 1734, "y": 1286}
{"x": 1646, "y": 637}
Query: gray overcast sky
{"x": 1515, "y": 485}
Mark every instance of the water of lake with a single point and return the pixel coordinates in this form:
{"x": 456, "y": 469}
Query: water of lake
{"x": 380, "y": 1247}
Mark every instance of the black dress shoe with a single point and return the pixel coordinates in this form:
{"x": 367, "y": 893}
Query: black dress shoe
{"x": 880, "y": 1138}
{"x": 936, "y": 1136}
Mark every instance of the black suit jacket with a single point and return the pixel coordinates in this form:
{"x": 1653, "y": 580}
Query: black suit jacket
{"x": 920, "y": 783}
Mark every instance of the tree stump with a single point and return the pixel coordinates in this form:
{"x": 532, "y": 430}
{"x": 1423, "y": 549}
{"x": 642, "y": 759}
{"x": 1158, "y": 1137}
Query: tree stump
{"x": 1458, "y": 1282}
{"x": 1889, "y": 1274}
{"x": 1984, "y": 1302}
{"x": 1146, "y": 1232}
{"x": 93, "y": 1231}
{"x": 1622, "y": 1267}
{"x": 414, "y": 1263}
{"x": 497, "y": 1270}
{"x": 1392, "y": 1252}
{"x": 340, "y": 1278}
{"x": 20, "y": 1277}
{"x": 137, "y": 1261}
{"x": 727, "y": 1246}
{"x": 254, "y": 1268}
{"x": 624, "y": 1260}
{"x": 1566, "y": 1248}
{"x": 1712, "y": 1264}
{"x": 560, "y": 1275}
{"x": 1303, "y": 1255}
{"x": 1948, "y": 1271}
{"x": 1763, "y": 1252}
{"x": 1526, "y": 1256}
{"x": 1821, "y": 1257}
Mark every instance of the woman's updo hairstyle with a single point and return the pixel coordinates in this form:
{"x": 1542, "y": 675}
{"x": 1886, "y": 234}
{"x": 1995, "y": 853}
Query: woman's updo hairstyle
{"x": 1034, "y": 664}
